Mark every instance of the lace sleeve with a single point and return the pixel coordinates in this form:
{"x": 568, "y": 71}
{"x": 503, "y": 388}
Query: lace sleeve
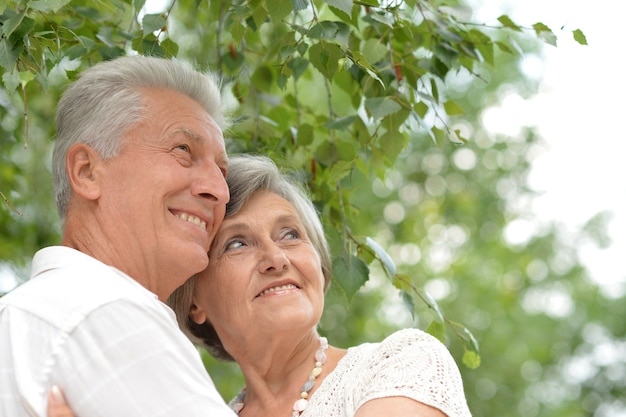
{"x": 411, "y": 363}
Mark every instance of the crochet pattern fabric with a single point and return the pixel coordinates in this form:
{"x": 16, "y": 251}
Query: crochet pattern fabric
{"x": 408, "y": 363}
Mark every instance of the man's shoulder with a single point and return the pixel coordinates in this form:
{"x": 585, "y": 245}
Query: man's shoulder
{"x": 63, "y": 291}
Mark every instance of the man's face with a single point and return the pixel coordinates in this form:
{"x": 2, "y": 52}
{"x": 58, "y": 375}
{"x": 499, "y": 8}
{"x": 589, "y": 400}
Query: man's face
{"x": 165, "y": 193}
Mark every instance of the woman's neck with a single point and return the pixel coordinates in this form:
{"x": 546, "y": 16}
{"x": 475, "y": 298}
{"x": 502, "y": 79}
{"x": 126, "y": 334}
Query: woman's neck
{"x": 276, "y": 373}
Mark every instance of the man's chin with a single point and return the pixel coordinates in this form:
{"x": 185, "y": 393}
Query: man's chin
{"x": 194, "y": 261}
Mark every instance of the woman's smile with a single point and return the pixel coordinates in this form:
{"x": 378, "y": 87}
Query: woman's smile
{"x": 278, "y": 290}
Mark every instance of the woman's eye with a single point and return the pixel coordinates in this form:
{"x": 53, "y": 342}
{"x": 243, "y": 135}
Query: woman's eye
{"x": 234, "y": 244}
{"x": 291, "y": 235}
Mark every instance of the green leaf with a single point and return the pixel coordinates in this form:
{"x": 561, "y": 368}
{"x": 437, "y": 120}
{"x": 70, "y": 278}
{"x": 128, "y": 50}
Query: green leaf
{"x": 545, "y": 33}
{"x": 432, "y": 304}
{"x": 145, "y": 46}
{"x": 325, "y": 57}
{"x": 305, "y": 135}
{"x": 25, "y": 27}
{"x": 471, "y": 359}
{"x": 453, "y": 108}
{"x": 298, "y": 66}
{"x": 446, "y": 53}
{"x": 340, "y": 170}
{"x": 360, "y": 132}
{"x": 299, "y": 5}
{"x": 408, "y": 302}
{"x": 152, "y": 23}
{"x": 456, "y": 136}
{"x": 393, "y": 141}
{"x": 48, "y": 5}
{"x": 331, "y": 31}
{"x": 379, "y": 107}
{"x": 434, "y": 90}
{"x": 138, "y": 4}
{"x": 373, "y": 50}
{"x": 472, "y": 343}
{"x": 382, "y": 255}
{"x": 359, "y": 59}
{"x": 471, "y": 356}
{"x": 232, "y": 59}
{"x": 25, "y": 77}
{"x": 342, "y": 15}
{"x": 507, "y": 22}
{"x": 487, "y": 52}
{"x": 384, "y": 18}
{"x": 540, "y": 27}
{"x": 11, "y": 21}
{"x": 548, "y": 37}
{"x": 280, "y": 9}
{"x": 350, "y": 273}
{"x": 343, "y": 5}
{"x": 263, "y": 78}
{"x": 504, "y": 47}
{"x": 11, "y": 80}
{"x": 403, "y": 283}
{"x": 9, "y": 52}
{"x": 76, "y": 51}
{"x": 437, "y": 329}
{"x": 259, "y": 15}
{"x": 169, "y": 47}
{"x": 340, "y": 123}
{"x": 580, "y": 37}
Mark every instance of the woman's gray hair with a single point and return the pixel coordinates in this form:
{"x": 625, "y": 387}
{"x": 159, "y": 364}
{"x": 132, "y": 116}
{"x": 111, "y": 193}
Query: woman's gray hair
{"x": 248, "y": 174}
{"x": 105, "y": 102}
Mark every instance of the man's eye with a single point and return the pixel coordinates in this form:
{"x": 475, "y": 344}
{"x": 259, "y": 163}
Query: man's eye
{"x": 183, "y": 147}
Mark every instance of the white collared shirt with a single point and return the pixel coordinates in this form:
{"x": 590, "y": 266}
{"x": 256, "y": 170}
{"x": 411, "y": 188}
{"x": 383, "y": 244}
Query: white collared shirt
{"x": 108, "y": 342}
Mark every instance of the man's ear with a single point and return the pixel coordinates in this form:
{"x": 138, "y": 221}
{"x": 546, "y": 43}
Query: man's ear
{"x": 82, "y": 164}
{"x": 196, "y": 314}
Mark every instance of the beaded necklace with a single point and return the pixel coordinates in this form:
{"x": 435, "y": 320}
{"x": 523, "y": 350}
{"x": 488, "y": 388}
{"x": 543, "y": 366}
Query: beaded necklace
{"x": 300, "y": 405}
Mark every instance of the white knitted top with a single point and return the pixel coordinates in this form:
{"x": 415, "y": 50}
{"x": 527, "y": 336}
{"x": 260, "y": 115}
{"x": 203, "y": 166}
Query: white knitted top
{"x": 409, "y": 363}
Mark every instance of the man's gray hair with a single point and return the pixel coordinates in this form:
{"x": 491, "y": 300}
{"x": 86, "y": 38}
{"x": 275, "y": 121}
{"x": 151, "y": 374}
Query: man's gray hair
{"x": 99, "y": 107}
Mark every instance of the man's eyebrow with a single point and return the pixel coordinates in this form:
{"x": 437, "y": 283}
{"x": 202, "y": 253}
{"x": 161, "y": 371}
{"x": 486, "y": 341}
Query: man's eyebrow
{"x": 190, "y": 134}
{"x": 222, "y": 158}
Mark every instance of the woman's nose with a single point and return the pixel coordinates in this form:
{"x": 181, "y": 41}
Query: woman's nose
{"x": 274, "y": 259}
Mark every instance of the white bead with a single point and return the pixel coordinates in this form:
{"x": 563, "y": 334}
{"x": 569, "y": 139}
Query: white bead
{"x": 300, "y": 405}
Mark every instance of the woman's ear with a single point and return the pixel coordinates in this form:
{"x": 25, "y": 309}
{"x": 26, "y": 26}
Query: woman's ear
{"x": 196, "y": 314}
{"x": 82, "y": 164}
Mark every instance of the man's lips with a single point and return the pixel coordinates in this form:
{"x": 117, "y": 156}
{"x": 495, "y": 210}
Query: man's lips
{"x": 192, "y": 219}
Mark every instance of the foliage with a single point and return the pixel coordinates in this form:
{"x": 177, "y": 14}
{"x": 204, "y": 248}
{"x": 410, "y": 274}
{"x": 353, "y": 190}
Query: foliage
{"x": 377, "y": 106}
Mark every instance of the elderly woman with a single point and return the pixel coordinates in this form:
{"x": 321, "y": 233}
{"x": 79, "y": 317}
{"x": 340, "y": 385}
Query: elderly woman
{"x": 260, "y": 300}
{"x": 259, "y": 303}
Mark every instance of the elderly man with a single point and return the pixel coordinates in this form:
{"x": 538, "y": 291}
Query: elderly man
{"x": 139, "y": 170}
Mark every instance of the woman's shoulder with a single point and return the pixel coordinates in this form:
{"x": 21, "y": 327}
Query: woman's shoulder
{"x": 412, "y": 339}
{"x": 410, "y": 346}
{"x": 410, "y": 335}
{"x": 415, "y": 364}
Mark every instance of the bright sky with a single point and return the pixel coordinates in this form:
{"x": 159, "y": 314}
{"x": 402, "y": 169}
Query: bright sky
{"x": 577, "y": 113}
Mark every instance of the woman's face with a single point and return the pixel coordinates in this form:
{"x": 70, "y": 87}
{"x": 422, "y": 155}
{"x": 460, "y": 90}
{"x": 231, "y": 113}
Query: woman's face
{"x": 264, "y": 275}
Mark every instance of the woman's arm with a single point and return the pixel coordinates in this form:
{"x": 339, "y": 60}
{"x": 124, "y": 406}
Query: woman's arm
{"x": 392, "y": 407}
{"x": 57, "y": 407}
